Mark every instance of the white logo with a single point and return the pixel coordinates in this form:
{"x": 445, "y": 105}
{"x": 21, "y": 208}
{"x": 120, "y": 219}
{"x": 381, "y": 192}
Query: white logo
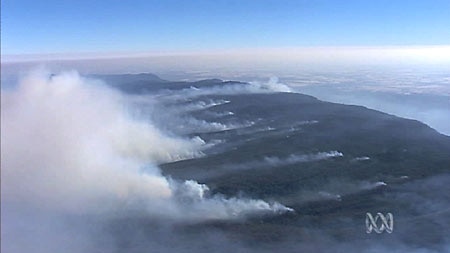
{"x": 387, "y": 223}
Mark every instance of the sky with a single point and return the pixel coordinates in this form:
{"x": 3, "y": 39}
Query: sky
{"x": 54, "y": 26}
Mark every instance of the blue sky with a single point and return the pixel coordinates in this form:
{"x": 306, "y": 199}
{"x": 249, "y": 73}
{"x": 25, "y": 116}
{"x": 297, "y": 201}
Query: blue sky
{"x": 62, "y": 26}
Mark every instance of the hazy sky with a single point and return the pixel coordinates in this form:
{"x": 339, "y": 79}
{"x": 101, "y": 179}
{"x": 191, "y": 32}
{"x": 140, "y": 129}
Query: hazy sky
{"x": 55, "y": 26}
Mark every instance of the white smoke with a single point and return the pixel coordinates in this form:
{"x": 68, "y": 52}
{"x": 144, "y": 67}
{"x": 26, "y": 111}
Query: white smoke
{"x": 274, "y": 161}
{"x": 220, "y": 114}
{"x": 229, "y": 88}
{"x": 371, "y": 186}
{"x": 202, "y": 105}
{"x": 292, "y": 159}
{"x": 176, "y": 116}
{"x": 69, "y": 144}
{"x": 272, "y": 85}
{"x": 196, "y": 197}
{"x": 177, "y": 104}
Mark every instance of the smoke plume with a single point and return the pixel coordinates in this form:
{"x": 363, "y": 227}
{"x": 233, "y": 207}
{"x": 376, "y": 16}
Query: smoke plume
{"x": 70, "y": 145}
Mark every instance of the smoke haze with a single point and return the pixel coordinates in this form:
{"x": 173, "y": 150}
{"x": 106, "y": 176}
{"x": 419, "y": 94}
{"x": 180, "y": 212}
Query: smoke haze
{"x": 70, "y": 147}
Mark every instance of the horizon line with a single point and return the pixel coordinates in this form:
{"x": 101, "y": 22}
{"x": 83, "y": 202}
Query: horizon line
{"x": 92, "y": 55}
{"x": 427, "y": 53}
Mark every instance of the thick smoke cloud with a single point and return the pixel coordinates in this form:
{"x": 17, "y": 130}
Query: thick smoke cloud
{"x": 65, "y": 141}
{"x": 69, "y": 146}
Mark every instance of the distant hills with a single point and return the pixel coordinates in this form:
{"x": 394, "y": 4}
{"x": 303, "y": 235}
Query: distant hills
{"x": 147, "y": 82}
